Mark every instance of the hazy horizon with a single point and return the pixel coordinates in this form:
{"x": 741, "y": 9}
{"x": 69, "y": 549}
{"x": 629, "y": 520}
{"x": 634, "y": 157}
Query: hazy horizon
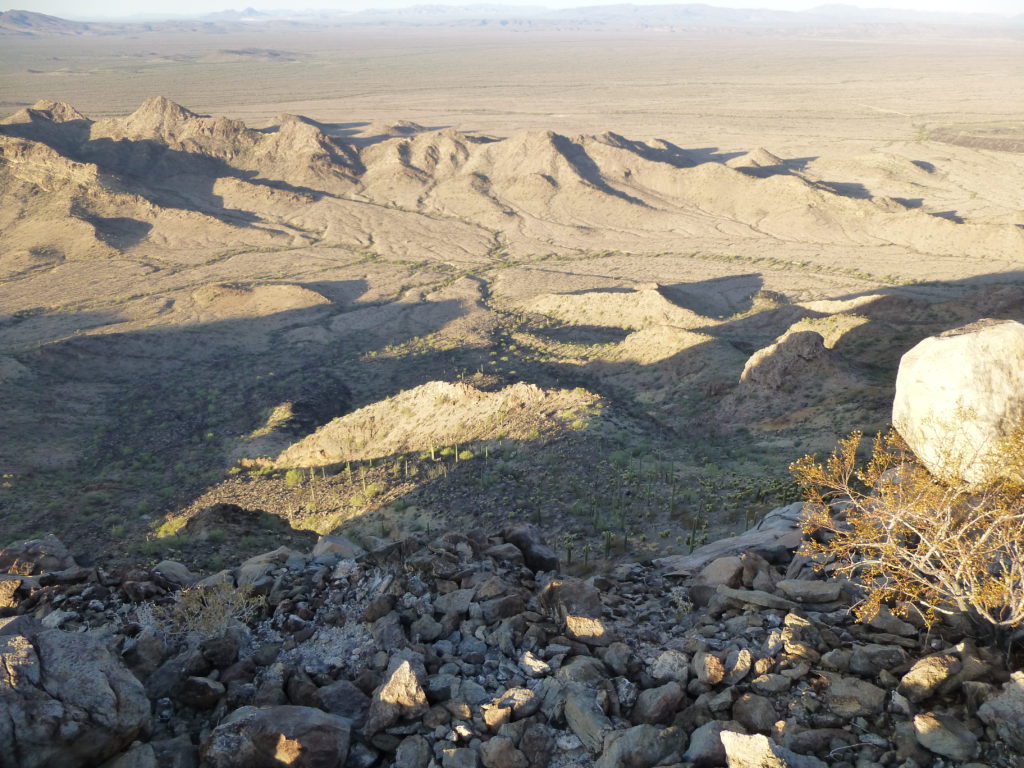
{"x": 112, "y": 9}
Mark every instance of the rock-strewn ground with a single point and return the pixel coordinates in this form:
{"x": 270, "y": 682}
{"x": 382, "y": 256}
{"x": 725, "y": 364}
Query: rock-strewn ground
{"x": 469, "y": 650}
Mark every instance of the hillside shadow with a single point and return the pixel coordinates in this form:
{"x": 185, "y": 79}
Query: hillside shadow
{"x": 700, "y": 155}
{"x": 351, "y": 133}
{"x": 717, "y": 297}
{"x": 851, "y": 189}
{"x": 178, "y": 399}
{"x": 584, "y": 165}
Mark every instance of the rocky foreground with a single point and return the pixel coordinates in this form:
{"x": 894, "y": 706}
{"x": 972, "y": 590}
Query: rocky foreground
{"x": 468, "y": 650}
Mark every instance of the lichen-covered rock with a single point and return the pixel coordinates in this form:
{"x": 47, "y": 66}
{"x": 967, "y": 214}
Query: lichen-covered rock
{"x": 66, "y": 701}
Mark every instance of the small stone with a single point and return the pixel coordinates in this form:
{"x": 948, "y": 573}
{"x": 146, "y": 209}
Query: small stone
{"x": 506, "y": 553}
{"x": 338, "y": 545}
{"x": 344, "y": 699}
{"x": 521, "y": 702}
{"x": 657, "y": 705}
{"x": 1005, "y": 712}
{"x": 455, "y": 603}
{"x": 869, "y": 660}
{"x": 593, "y": 632}
{"x": 708, "y": 668}
{"x": 378, "y": 608}
{"x": 532, "y": 666}
{"x": 642, "y": 747}
{"x": 501, "y": 752}
{"x": 586, "y": 719}
{"x": 771, "y": 684}
{"x": 884, "y": 621}
{"x": 617, "y": 657}
{"x": 738, "y": 664}
{"x": 853, "y": 697}
{"x": 805, "y": 591}
{"x": 254, "y": 738}
{"x": 460, "y": 757}
{"x": 671, "y": 665}
{"x": 426, "y": 628}
{"x": 759, "y": 751}
{"x": 200, "y": 692}
{"x": 755, "y": 713}
{"x": 414, "y": 752}
{"x": 756, "y": 598}
{"x": 722, "y": 570}
{"x": 174, "y": 572}
{"x": 928, "y": 675}
{"x": 706, "y": 749}
{"x": 945, "y": 735}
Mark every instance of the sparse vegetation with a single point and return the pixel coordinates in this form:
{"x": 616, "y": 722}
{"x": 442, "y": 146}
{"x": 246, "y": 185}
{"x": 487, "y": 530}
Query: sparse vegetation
{"x": 943, "y": 547}
{"x": 203, "y": 611}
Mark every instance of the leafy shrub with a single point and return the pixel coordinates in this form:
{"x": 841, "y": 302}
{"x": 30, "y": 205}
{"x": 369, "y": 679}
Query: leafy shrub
{"x": 949, "y": 548}
{"x": 294, "y": 477}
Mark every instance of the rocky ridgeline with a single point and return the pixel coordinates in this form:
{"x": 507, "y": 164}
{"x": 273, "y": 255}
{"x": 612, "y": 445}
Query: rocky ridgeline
{"x": 468, "y": 650}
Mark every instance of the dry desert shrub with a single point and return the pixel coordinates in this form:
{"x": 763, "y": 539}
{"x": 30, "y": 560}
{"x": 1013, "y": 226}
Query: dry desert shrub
{"x": 948, "y": 548}
{"x": 206, "y": 611}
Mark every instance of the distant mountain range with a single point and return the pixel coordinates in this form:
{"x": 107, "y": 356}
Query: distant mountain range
{"x": 627, "y": 16}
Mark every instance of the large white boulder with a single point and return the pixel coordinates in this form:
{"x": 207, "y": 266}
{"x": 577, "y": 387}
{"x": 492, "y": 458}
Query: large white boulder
{"x": 959, "y": 395}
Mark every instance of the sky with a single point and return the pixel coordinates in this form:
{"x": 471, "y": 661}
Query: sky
{"x": 86, "y": 9}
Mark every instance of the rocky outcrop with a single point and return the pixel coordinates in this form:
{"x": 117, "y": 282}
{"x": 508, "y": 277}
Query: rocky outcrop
{"x": 789, "y": 362}
{"x": 959, "y": 396}
{"x": 66, "y": 700}
{"x": 454, "y": 651}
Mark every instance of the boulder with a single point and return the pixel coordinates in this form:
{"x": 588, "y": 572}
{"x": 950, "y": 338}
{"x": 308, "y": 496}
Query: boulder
{"x": 299, "y": 737}
{"x": 401, "y": 696}
{"x": 959, "y": 395}
{"x": 537, "y": 554}
{"x": 36, "y": 556}
{"x": 66, "y": 701}
{"x": 345, "y": 548}
{"x": 175, "y": 573}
